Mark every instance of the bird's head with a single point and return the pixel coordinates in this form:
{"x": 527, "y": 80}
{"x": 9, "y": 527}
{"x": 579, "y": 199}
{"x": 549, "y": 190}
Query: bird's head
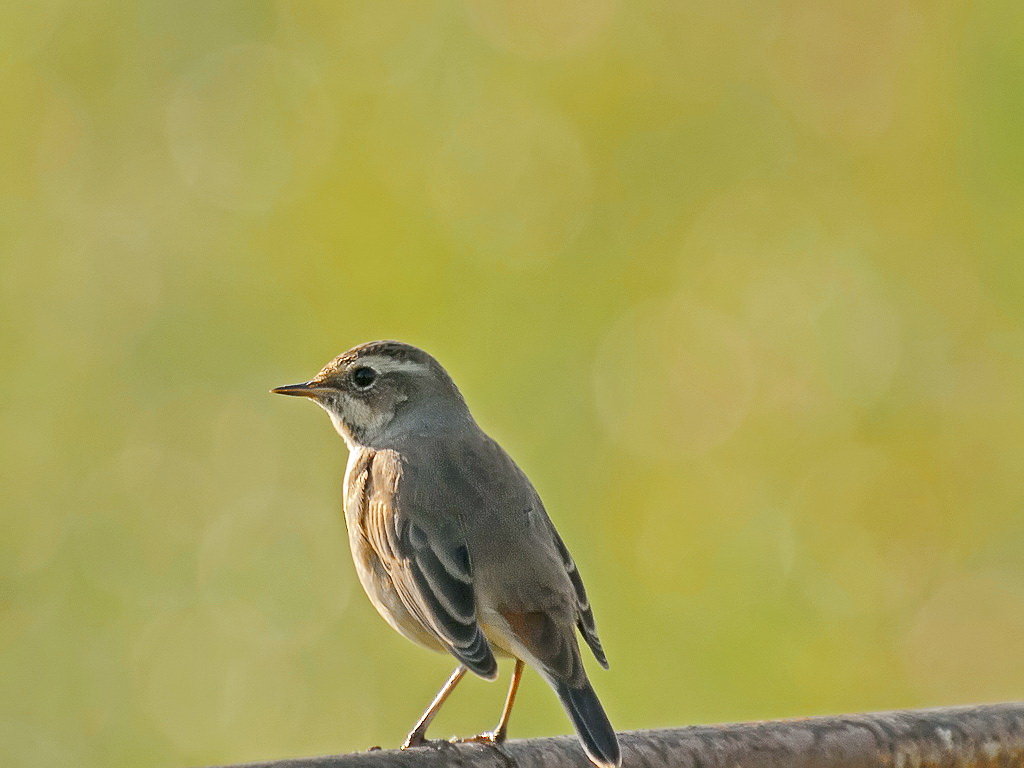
{"x": 383, "y": 390}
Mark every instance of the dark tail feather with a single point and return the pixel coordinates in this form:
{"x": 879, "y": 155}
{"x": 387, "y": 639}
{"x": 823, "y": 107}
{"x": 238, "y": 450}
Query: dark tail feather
{"x": 591, "y": 723}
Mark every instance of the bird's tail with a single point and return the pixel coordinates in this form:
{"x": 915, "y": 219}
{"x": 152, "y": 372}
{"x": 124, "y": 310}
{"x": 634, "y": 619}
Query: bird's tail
{"x": 591, "y": 723}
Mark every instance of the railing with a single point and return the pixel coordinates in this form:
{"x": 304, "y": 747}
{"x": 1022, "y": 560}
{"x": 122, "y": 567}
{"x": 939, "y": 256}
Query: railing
{"x": 988, "y": 736}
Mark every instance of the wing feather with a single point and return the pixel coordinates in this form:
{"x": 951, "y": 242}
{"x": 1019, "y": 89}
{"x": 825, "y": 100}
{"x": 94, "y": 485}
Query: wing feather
{"x": 431, "y": 572}
{"x": 585, "y": 615}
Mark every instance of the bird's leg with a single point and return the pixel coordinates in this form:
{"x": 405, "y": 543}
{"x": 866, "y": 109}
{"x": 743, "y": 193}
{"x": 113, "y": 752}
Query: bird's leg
{"x": 501, "y": 729}
{"x": 417, "y": 737}
{"x": 500, "y": 732}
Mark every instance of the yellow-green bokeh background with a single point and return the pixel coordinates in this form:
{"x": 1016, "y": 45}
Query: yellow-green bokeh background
{"x": 739, "y": 284}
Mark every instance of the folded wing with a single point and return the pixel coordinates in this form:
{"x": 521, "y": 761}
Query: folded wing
{"x": 585, "y": 615}
{"x": 431, "y": 570}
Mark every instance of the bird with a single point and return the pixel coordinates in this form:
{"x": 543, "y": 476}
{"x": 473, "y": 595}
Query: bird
{"x": 451, "y": 541}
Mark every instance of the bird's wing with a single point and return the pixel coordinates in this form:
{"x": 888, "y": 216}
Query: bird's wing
{"x": 585, "y": 615}
{"x": 428, "y": 561}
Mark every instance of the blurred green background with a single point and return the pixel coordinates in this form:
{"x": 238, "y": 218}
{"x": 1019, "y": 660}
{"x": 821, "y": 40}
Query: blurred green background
{"x": 739, "y": 284}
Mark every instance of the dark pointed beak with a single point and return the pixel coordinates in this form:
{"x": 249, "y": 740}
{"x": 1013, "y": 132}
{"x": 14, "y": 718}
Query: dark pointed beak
{"x": 305, "y": 389}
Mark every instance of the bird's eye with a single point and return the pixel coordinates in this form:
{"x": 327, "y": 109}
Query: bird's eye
{"x": 364, "y": 377}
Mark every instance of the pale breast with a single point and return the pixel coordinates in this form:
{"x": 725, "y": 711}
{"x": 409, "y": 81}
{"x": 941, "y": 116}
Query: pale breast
{"x": 370, "y": 481}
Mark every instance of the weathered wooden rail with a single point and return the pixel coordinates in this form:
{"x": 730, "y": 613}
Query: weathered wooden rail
{"x": 987, "y": 736}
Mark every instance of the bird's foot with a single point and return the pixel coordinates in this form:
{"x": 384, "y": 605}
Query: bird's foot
{"x": 487, "y": 737}
{"x": 419, "y": 740}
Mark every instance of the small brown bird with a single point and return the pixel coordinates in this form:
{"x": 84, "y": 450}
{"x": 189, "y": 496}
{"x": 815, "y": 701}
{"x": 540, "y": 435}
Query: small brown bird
{"x": 451, "y": 541}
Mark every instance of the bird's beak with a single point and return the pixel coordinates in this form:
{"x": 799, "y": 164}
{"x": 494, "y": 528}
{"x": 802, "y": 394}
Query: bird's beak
{"x": 305, "y": 389}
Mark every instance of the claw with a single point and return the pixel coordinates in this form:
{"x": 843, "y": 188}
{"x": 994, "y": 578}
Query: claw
{"x": 419, "y": 741}
{"x": 487, "y": 737}
{"x": 414, "y": 740}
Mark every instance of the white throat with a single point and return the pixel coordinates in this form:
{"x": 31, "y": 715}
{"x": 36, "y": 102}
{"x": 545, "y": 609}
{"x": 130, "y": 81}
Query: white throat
{"x": 346, "y": 410}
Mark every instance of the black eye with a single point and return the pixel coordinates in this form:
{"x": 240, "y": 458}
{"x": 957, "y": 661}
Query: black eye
{"x": 364, "y": 377}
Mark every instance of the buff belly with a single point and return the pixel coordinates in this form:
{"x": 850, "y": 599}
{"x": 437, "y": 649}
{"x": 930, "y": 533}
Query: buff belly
{"x": 378, "y": 587}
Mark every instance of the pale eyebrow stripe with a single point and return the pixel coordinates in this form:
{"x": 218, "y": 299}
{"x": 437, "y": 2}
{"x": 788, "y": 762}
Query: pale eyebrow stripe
{"x": 383, "y": 364}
